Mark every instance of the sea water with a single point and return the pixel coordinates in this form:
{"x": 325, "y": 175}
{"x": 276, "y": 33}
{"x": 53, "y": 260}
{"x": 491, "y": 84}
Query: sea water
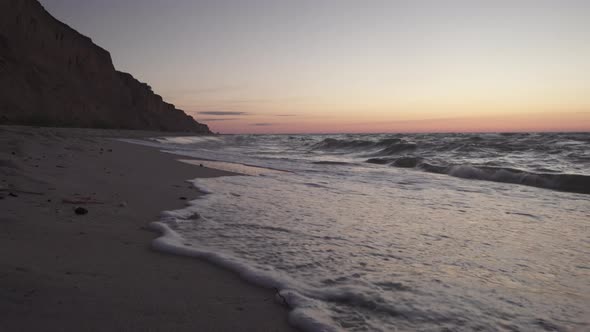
{"x": 428, "y": 232}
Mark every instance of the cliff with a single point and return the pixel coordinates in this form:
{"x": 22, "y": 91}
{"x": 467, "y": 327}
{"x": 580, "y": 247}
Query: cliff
{"x": 51, "y": 75}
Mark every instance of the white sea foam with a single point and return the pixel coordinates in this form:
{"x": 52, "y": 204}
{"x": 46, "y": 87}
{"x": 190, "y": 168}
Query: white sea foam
{"x": 304, "y": 313}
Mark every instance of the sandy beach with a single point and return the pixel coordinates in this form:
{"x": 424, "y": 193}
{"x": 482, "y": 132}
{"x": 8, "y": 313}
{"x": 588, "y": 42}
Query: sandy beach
{"x": 60, "y": 271}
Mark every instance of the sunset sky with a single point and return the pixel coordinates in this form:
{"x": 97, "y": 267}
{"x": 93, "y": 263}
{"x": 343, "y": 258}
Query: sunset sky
{"x": 353, "y": 66}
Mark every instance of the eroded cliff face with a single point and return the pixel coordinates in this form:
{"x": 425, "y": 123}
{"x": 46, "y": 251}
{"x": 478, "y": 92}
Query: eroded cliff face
{"x": 53, "y": 76}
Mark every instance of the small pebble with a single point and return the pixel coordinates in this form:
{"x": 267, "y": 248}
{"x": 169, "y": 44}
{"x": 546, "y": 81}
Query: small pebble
{"x": 12, "y": 195}
{"x": 182, "y": 198}
{"x": 80, "y": 210}
{"x": 123, "y": 204}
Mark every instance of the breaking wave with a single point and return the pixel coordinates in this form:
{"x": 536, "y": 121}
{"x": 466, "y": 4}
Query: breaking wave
{"x": 381, "y": 147}
{"x": 575, "y": 183}
{"x": 564, "y": 182}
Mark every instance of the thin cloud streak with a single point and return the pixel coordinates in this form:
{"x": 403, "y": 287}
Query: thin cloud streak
{"x": 217, "y": 119}
{"x": 222, "y": 113}
{"x": 262, "y": 124}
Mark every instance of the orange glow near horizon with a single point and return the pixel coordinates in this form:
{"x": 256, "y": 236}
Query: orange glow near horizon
{"x": 428, "y": 119}
{"x": 577, "y": 122}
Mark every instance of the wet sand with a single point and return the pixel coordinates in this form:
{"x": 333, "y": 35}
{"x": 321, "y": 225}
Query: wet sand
{"x": 60, "y": 271}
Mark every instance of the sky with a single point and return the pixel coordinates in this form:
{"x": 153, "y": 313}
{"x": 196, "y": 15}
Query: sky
{"x": 297, "y": 66}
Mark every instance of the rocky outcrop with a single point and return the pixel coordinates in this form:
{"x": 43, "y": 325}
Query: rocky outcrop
{"x": 51, "y": 75}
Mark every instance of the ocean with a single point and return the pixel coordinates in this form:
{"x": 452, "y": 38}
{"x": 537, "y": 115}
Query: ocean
{"x": 398, "y": 232}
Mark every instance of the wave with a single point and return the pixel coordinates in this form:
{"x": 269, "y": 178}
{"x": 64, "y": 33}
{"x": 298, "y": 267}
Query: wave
{"x": 303, "y": 314}
{"x": 557, "y": 161}
{"x": 340, "y": 144}
{"x": 309, "y": 306}
{"x": 472, "y": 145}
{"x": 574, "y": 183}
{"x": 383, "y": 147}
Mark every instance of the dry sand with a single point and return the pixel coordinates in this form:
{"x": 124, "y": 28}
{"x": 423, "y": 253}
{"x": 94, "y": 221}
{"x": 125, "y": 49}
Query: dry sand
{"x": 65, "y": 272}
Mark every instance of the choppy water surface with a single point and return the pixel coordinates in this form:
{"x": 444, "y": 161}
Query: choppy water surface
{"x": 403, "y": 232}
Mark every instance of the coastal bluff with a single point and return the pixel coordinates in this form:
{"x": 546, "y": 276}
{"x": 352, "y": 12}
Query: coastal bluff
{"x": 51, "y": 75}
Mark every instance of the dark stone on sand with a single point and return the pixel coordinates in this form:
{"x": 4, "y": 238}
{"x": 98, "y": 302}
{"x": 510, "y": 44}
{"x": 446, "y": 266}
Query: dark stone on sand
{"x": 12, "y": 195}
{"x": 182, "y": 198}
{"x": 80, "y": 211}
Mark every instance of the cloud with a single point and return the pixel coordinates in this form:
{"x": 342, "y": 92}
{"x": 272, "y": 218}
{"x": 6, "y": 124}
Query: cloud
{"x": 262, "y": 124}
{"x": 222, "y": 113}
{"x": 216, "y": 119}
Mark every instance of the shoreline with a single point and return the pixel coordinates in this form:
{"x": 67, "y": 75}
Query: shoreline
{"x": 96, "y": 272}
